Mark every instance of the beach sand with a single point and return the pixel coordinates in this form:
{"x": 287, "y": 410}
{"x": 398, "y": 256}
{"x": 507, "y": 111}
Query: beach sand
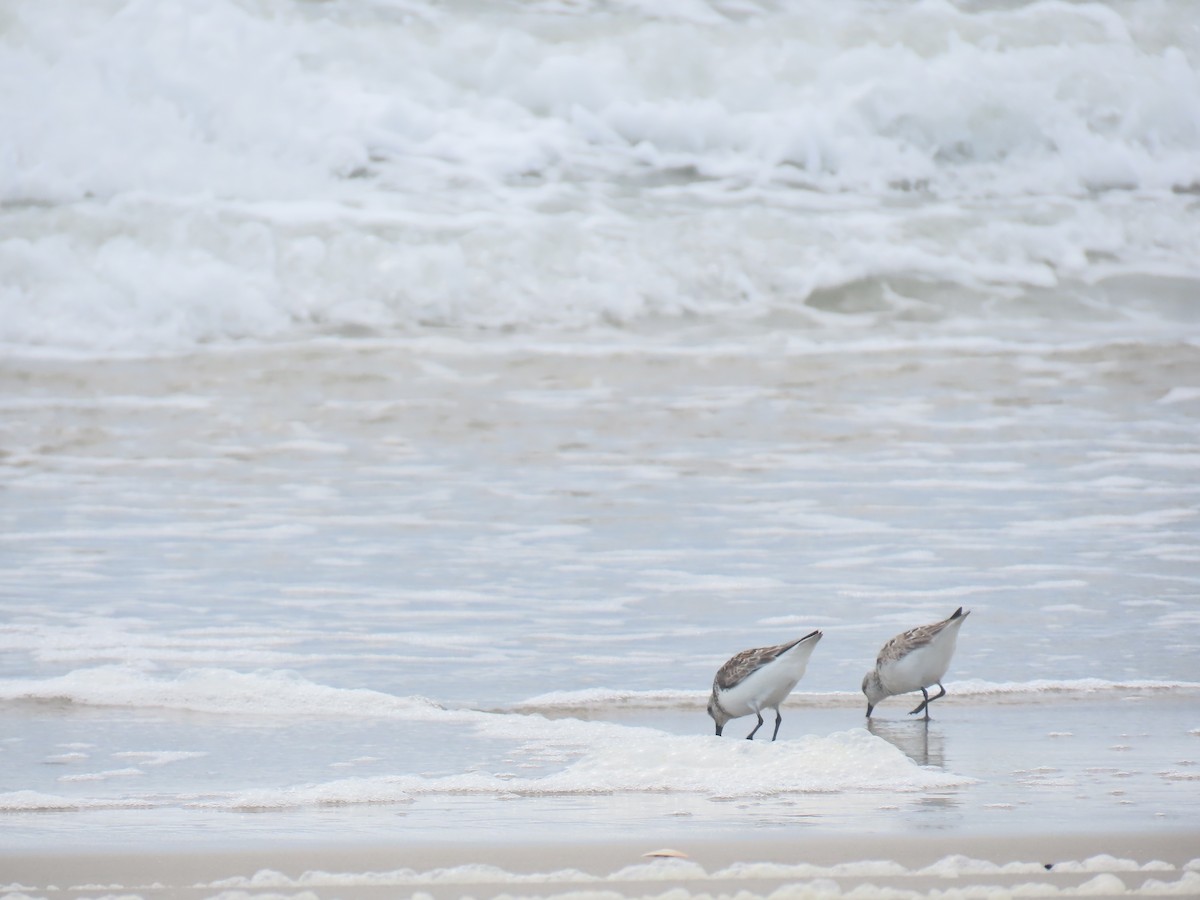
{"x": 861, "y": 865}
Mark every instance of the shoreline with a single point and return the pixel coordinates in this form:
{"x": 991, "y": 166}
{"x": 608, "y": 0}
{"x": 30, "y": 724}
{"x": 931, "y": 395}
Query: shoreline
{"x": 1109, "y": 863}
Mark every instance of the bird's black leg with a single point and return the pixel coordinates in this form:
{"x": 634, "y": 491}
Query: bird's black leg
{"x": 778, "y": 722}
{"x": 937, "y": 697}
{"x": 750, "y": 736}
{"x": 924, "y": 706}
{"x": 928, "y": 700}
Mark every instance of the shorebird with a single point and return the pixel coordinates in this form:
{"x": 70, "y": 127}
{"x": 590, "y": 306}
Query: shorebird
{"x": 759, "y": 679}
{"x": 914, "y": 661}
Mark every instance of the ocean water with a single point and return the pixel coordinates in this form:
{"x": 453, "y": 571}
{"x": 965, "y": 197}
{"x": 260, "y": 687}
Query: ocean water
{"x": 405, "y": 408}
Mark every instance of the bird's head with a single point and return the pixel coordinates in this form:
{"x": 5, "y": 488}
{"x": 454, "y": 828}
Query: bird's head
{"x": 873, "y": 688}
{"x": 718, "y": 715}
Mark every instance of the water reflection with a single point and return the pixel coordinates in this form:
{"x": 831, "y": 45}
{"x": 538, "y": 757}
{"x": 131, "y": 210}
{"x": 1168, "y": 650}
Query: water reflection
{"x": 919, "y": 741}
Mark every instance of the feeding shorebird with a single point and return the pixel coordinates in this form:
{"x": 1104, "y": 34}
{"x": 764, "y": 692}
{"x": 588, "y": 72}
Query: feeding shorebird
{"x": 912, "y": 661}
{"x": 759, "y": 679}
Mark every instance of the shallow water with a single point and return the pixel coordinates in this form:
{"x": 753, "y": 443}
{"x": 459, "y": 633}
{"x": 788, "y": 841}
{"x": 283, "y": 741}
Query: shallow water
{"x": 1112, "y": 760}
{"x": 333, "y": 590}
{"x": 626, "y": 520}
{"x": 399, "y": 449}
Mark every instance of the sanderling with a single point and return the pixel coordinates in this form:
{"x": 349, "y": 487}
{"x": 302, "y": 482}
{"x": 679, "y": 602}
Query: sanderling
{"x": 759, "y": 679}
{"x": 914, "y": 661}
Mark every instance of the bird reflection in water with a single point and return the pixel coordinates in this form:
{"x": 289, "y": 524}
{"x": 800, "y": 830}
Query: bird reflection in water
{"x": 920, "y": 741}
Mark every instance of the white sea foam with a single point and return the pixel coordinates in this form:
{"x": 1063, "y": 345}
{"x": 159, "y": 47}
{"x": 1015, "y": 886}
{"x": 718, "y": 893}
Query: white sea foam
{"x": 280, "y": 693}
{"x": 1180, "y": 395}
{"x": 1105, "y": 885}
{"x": 976, "y": 688}
{"x": 1108, "y": 863}
{"x": 34, "y": 801}
{"x": 63, "y": 758}
{"x": 246, "y": 695}
{"x": 553, "y": 756}
{"x": 537, "y": 165}
{"x": 753, "y": 879}
{"x": 605, "y": 698}
{"x": 609, "y": 759}
{"x": 106, "y": 775}
{"x": 159, "y": 757}
{"x": 599, "y": 699}
{"x": 574, "y": 759}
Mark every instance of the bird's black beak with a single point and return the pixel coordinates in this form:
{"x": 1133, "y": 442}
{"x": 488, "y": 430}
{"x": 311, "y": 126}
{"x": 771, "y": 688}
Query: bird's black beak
{"x": 870, "y": 708}
{"x": 719, "y": 730}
